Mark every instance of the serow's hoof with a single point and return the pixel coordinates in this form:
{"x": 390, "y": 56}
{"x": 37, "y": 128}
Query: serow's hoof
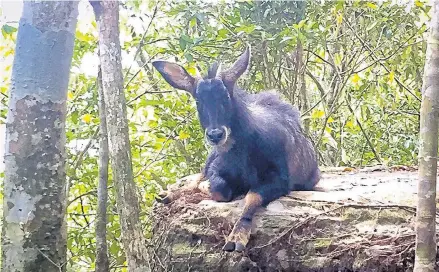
{"x": 232, "y": 246}
{"x": 163, "y": 198}
{"x": 238, "y": 238}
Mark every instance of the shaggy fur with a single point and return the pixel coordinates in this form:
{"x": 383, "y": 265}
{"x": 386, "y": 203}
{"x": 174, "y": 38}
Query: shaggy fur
{"x": 266, "y": 152}
{"x": 259, "y": 148}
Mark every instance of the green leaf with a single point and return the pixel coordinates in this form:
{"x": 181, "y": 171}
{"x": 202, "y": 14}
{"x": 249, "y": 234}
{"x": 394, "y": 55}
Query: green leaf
{"x": 158, "y": 146}
{"x": 316, "y": 114}
{"x": 183, "y": 135}
{"x": 222, "y": 33}
{"x": 152, "y": 123}
{"x": 186, "y": 38}
{"x": 182, "y": 43}
{"x": 371, "y": 26}
{"x": 350, "y": 124}
{"x": 189, "y": 57}
{"x": 201, "y": 17}
{"x": 285, "y": 39}
{"x": 114, "y": 249}
{"x": 337, "y": 59}
{"x": 75, "y": 117}
{"x": 8, "y": 30}
{"x": 83, "y": 37}
{"x": 246, "y": 28}
{"x": 301, "y": 24}
{"x": 371, "y": 5}
{"x": 193, "y": 22}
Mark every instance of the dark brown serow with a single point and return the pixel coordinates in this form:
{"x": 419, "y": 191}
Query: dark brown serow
{"x": 259, "y": 148}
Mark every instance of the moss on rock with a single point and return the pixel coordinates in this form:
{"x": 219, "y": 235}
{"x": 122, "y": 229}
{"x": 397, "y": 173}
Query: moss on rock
{"x": 341, "y": 229}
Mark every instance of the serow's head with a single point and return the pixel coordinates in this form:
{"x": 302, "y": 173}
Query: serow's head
{"x": 213, "y": 93}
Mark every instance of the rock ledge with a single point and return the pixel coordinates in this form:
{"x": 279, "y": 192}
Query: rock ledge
{"x": 362, "y": 221}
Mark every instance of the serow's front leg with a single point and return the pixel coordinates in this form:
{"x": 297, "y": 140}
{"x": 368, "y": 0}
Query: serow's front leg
{"x": 240, "y": 235}
{"x": 184, "y": 185}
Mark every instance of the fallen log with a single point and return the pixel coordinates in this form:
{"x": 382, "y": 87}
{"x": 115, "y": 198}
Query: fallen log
{"x": 358, "y": 221}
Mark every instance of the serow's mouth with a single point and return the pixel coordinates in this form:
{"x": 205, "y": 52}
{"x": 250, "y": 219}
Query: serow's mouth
{"x": 220, "y": 142}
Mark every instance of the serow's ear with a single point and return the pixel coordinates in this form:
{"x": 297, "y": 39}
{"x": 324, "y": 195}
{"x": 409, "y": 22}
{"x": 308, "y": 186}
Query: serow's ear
{"x": 231, "y": 75}
{"x": 175, "y": 75}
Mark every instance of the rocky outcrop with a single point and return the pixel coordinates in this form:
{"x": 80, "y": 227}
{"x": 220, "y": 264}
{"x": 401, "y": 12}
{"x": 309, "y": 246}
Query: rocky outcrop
{"x": 362, "y": 221}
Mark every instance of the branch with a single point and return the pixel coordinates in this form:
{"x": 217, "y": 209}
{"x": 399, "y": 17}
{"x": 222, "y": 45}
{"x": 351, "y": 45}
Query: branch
{"x": 93, "y": 192}
{"x": 148, "y": 92}
{"x": 332, "y": 109}
{"x": 50, "y": 260}
{"x": 77, "y": 161}
{"x": 154, "y": 41}
{"x": 138, "y": 71}
{"x": 323, "y": 94}
{"x": 364, "y": 133}
{"x": 388, "y": 57}
{"x": 139, "y": 47}
{"x": 83, "y": 213}
{"x": 337, "y": 94}
{"x": 156, "y": 158}
{"x": 322, "y": 59}
{"x": 375, "y": 57}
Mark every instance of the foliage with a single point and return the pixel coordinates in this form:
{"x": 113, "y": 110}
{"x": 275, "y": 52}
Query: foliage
{"x": 363, "y": 74}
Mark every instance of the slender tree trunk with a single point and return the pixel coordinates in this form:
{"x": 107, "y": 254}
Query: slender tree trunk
{"x": 107, "y": 17}
{"x": 425, "y": 257}
{"x": 34, "y": 226}
{"x": 102, "y": 264}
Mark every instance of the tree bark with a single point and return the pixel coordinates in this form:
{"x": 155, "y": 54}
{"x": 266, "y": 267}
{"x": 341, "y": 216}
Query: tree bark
{"x": 34, "y": 226}
{"x": 102, "y": 264}
{"x": 107, "y": 17}
{"x": 426, "y": 206}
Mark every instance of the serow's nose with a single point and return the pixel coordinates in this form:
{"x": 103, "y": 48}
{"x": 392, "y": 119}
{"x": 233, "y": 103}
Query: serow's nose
{"x": 215, "y": 135}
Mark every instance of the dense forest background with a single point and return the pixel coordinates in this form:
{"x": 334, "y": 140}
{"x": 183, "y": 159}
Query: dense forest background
{"x": 353, "y": 68}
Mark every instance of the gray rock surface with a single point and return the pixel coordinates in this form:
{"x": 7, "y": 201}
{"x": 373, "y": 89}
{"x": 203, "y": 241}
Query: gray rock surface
{"x": 362, "y": 221}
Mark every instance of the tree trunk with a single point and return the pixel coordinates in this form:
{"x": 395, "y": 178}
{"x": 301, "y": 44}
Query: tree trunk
{"x": 426, "y": 209}
{"x": 102, "y": 264}
{"x": 107, "y": 17}
{"x": 34, "y": 226}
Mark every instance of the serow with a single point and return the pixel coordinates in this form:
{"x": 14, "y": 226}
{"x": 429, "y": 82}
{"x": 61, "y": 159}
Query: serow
{"x": 258, "y": 146}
